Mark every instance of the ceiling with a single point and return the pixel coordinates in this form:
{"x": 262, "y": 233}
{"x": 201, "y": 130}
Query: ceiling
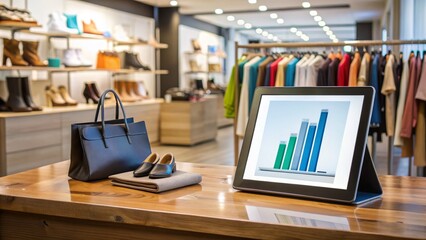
{"x": 339, "y": 15}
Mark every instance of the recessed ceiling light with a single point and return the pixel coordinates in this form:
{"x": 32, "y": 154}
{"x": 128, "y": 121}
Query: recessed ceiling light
{"x": 275, "y": 38}
{"x": 293, "y": 29}
{"x": 230, "y": 18}
{"x": 317, "y": 18}
{"x": 335, "y": 40}
{"x": 252, "y": 1}
{"x": 321, "y": 23}
{"x": 306, "y": 5}
{"x": 329, "y": 32}
{"x": 218, "y": 11}
{"x": 263, "y": 8}
{"x": 259, "y": 30}
{"x": 270, "y": 36}
{"x": 332, "y": 37}
{"x": 303, "y": 36}
{"x": 313, "y": 13}
{"x": 325, "y": 28}
{"x": 273, "y": 15}
{"x": 173, "y": 3}
{"x": 247, "y": 25}
{"x": 240, "y": 22}
{"x": 265, "y": 33}
{"x": 299, "y": 33}
{"x": 306, "y": 39}
{"x": 280, "y": 20}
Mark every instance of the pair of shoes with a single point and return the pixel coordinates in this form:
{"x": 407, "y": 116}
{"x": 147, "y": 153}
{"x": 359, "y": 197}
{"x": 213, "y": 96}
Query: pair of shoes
{"x": 156, "y": 167}
{"x": 91, "y": 92}
{"x": 29, "y": 56}
{"x": 90, "y": 27}
{"x": 59, "y": 97}
{"x": 58, "y": 23}
{"x": 73, "y": 57}
{"x": 15, "y": 15}
{"x": 130, "y": 91}
{"x": 20, "y": 99}
{"x": 130, "y": 60}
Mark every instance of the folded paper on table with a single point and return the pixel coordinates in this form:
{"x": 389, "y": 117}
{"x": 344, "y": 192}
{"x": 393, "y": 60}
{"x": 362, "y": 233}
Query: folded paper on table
{"x": 177, "y": 180}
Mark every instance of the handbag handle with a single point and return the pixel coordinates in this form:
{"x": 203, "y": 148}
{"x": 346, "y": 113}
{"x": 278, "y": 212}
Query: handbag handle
{"x": 102, "y": 103}
{"x": 117, "y": 113}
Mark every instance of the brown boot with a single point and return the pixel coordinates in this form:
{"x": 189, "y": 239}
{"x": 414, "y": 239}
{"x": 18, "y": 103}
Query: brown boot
{"x": 125, "y": 97}
{"x": 30, "y": 54}
{"x": 131, "y": 92}
{"x": 11, "y": 51}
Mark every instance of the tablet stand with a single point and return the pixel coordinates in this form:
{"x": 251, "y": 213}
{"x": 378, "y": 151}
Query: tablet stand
{"x": 369, "y": 187}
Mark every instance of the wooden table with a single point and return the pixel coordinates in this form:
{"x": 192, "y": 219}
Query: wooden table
{"x": 45, "y": 204}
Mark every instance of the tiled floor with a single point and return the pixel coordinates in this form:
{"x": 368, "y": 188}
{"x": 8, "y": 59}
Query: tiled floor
{"x": 220, "y": 151}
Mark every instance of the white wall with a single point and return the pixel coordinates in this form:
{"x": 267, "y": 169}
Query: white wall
{"x": 105, "y": 19}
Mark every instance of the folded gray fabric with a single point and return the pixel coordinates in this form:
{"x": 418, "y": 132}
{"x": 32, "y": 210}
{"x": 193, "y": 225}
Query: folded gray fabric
{"x": 177, "y": 180}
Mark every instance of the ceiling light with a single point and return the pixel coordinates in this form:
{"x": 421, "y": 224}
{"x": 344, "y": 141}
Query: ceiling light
{"x": 218, "y": 11}
{"x": 299, "y": 33}
{"x": 321, "y": 23}
{"x": 173, "y": 3}
{"x": 303, "y": 36}
{"x": 306, "y": 5}
{"x": 313, "y": 13}
{"x": 240, "y": 22}
{"x": 230, "y": 18}
{"x": 317, "y": 18}
{"x": 306, "y": 39}
{"x": 329, "y": 33}
{"x": 273, "y": 15}
{"x": 247, "y": 25}
{"x": 335, "y": 40}
{"x": 333, "y": 37}
{"x": 265, "y": 33}
{"x": 280, "y": 20}
{"x": 252, "y": 1}
{"x": 325, "y": 28}
{"x": 263, "y": 8}
{"x": 293, "y": 29}
{"x": 270, "y": 36}
{"x": 259, "y": 30}
{"x": 275, "y": 38}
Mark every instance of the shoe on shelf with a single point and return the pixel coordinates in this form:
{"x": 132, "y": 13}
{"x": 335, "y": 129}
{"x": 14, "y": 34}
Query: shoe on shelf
{"x": 11, "y": 51}
{"x": 147, "y": 165}
{"x": 30, "y": 54}
{"x": 24, "y": 15}
{"x": 57, "y": 24}
{"x": 120, "y": 86}
{"x": 71, "y": 58}
{"x": 15, "y": 101}
{"x": 165, "y": 167}
{"x": 90, "y": 27}
{"x": 26, "y": 95}
{"x": 72, "y": 23}
{"x": 66, "y": 96}
{"x": 7, "y": 15}
{"x": 3, "y": 106}
{"x": 196, "y": 45}
{"x": 131, "y": 91}
{"x": 53, "y": 98}
{"x": 131, "y": 60}
{"x": 140, "y": 90}
{"x": 83, "y": 61}
{"x": 89, "y": 94}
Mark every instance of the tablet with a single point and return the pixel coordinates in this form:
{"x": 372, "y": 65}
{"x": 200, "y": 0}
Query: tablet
{"x": 307, "y": 142}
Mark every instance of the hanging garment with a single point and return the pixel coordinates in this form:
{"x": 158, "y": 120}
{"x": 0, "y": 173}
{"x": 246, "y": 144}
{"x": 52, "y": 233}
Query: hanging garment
{"x": 304, "y": 71}
{"x": 322, "y": 78}
{"x": 273, "y": 71}
{"x": 418, "y": 73}
{"x": 312, "y": 71}
{"x": 253, "y": 79}
{"x": 229, "y": 97}
{"x": 364, "y": 70}
{"x": 262, "y": 71}
{"x": 388, "y": 89}
{"x": 241, "y": 70}
{"x": 398, "y": 141}
{"x": 290, "y": 72}
{"x": 332, "y": 72}
{"x": 420, "y": 141}
{"x": 343, "y": 71}
{"x": 243, "y": 108}
{"x": 297, "y": 76}
{"x": 407, "y": 117}
{"x": 374, "y": 76}
{"x": 354, "y": 70}
{"x": 279, "y": 79}
{"x": 267, "y": 74}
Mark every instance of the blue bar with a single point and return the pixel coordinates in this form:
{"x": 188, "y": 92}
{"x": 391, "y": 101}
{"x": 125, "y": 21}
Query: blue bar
{"x": 318, "y": 141}
{"x": 299, "y": 144}
{"x": 308, "y": 147}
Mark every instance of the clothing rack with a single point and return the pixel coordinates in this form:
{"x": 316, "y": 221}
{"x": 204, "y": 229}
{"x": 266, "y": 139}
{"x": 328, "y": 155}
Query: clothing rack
{"x": 313, "y": 45}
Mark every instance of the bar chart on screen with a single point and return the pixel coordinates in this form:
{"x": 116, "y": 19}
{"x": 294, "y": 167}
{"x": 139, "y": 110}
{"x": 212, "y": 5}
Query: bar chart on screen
{"x": 298, "y": 153}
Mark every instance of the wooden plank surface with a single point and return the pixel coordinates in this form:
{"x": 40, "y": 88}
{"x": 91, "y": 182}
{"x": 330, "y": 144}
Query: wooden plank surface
{"x": 213, "y": 207}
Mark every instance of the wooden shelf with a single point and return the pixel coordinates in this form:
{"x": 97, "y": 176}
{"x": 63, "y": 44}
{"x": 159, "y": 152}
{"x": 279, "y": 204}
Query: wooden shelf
{"x": 11, "y": 25}
{"x": 202, "y": 72}
{"x": 205, "y": 54}
{"x": 80, "y": 69}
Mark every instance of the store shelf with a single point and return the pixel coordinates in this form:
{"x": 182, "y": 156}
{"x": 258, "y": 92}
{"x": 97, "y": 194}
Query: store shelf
{"x": 80, "y": 69}
{"x": 10, "y": 25}
{"x": 202, "y": 72}
{"x": 206, "y": 54}
{"x": 140, "y": 43}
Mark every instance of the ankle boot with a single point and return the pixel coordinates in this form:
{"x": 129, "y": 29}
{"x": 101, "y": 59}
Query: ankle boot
{"x": 11, "y": 51}
{"x": 88, "y": 93}
{"x": 140, "y": 90}
{"x": 26, "y": 95}
{"x": 30, "y": 54}
{"x": 131, "y": 61}
{"x": 53, "y": 98}
{"x": 124, "y": 95}
{"x": 65, "y": 95}
{"x": 15, "y": 102}
{"x": 3, "y": 107}
{"x": 131, "y": 92}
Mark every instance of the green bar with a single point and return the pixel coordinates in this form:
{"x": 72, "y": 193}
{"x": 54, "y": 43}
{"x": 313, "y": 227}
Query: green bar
{"x": 289, "y": 153}
{"x": 280, "y": 155}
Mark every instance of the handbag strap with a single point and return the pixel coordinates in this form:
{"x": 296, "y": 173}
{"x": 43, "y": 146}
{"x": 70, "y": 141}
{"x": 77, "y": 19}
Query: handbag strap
{"x": 126, "y": 126}
{"x": 117, "y": 113}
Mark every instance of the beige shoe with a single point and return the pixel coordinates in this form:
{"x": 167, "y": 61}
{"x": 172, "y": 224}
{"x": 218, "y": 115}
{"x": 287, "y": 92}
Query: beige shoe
{"x": 53, "y": 98}
{"x": 65, "y": 95}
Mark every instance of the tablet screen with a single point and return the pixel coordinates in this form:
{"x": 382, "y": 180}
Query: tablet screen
{"x": 304, "y": 140}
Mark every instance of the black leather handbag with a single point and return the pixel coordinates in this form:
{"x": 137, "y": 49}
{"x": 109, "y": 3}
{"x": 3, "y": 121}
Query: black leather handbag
{"x": 101, "y": 149}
